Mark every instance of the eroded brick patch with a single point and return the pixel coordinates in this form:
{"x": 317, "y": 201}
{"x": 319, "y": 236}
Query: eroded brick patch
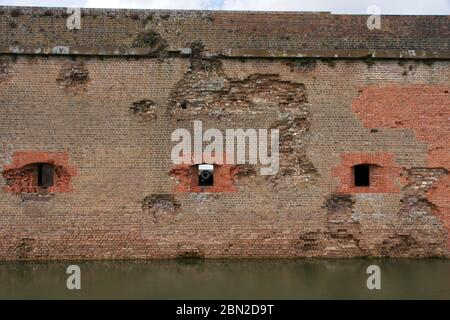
{"x": 206, "y": 90}
{"x": 343, "y": 230}
{"x": 193, "y": 254}
{"x": 410, "y": 235}
{"x": 145, "y": 108}
{"x": 399, "y": 245}
{"x": 197, "y": 48}
{"x": 24, "y": 248}
{"x": 419, "y": 181}
{"x": 73, "y": 76}
{"x": 383, "y": 172}
{"x": 19, "y": 180}
{"x": 150, "y": 39}
{"x": 416, "y": 232}
{"x": 244, "y": 172}
{"x": 163, "y": 207}
{"x": 425, "y": 109}
{"x": 439, "y": 195}
{"x": 4, "y": 70}
{"x": 302, "y": 65}
{"x": 294, "y": 165}
{"x": 419, "y": 199}
{"x": 413, "y": 238}
{"x": 342, "y": 235}
{"x": 310, "y": 243}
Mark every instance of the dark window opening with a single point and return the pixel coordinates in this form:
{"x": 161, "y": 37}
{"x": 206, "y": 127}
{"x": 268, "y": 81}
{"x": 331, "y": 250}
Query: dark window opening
{"x": 45, "y": 175}
{"x": 361, "y": 173}
{"x": 205, "y": 175}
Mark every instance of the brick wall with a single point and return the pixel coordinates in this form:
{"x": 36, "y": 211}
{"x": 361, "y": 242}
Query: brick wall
{"x": 223, "y": 30}
{"x": 112, "y": 119}
{"x": 425, "y": 109}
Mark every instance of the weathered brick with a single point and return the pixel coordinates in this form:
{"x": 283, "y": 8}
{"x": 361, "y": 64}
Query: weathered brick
{"x": 107, "y": 119}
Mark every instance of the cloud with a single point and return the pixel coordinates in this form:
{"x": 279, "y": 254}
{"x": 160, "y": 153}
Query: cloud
{"x": 41, "y": 3}
{"x": 441, "y": 7}
{"x": 343, "y": 6}
{"x": 131, "y": 4}
{"x": 150, "y": 4}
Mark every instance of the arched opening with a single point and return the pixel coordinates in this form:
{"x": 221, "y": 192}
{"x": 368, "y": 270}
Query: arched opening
{"x": 37, "y": 176}
{"x": 45, "y": 175}
{"x": 205, "y": 175}
{"x": 361, "y": 173}
{"x": 31, "y": 178}
{"x": 38, "y": 172}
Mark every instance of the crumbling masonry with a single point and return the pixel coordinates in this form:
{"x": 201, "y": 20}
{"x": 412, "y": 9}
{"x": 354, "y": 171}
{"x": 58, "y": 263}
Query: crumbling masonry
{"x": 86, "y": 120}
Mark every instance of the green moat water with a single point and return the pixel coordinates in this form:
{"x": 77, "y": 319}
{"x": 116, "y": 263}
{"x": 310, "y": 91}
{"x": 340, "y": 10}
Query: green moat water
{"x": 271, "y": 279}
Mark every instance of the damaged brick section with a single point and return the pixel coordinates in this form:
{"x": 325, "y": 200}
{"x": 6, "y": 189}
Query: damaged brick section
{"x": 243, "y": 172}
{"x": 24, "y": 248}
{"x": 206, "y": 90}
{"x": 310, "y": 243}
{"x": 163, "y": 207}
{"x": 410, "y": 240}
{"x": 150, "y": 39}
{"x": 306, "y": 64}
{"x": 191, "y": 254}
{"x": 428, "y": 111}
{"x": 73, "y": 76}
{"x": 399, "y": 245}
{"x": 415, "y": 201}
{"x": 343, "y": 229}
{"x": 408, "y": 236}
{"x": 21, "y": 179}
{"x": 146, "y": 108}
{"x": 418, "y": 232}
{"x": 342, "y": 235}
{"x": 294, "y": 162}
{"x": 4, "y": 70}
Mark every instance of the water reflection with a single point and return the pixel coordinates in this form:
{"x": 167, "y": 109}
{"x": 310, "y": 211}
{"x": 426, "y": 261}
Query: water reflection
{"x": 192, "y": 279}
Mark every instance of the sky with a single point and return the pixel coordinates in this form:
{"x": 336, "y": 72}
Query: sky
{"x": 439, "y": 7}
